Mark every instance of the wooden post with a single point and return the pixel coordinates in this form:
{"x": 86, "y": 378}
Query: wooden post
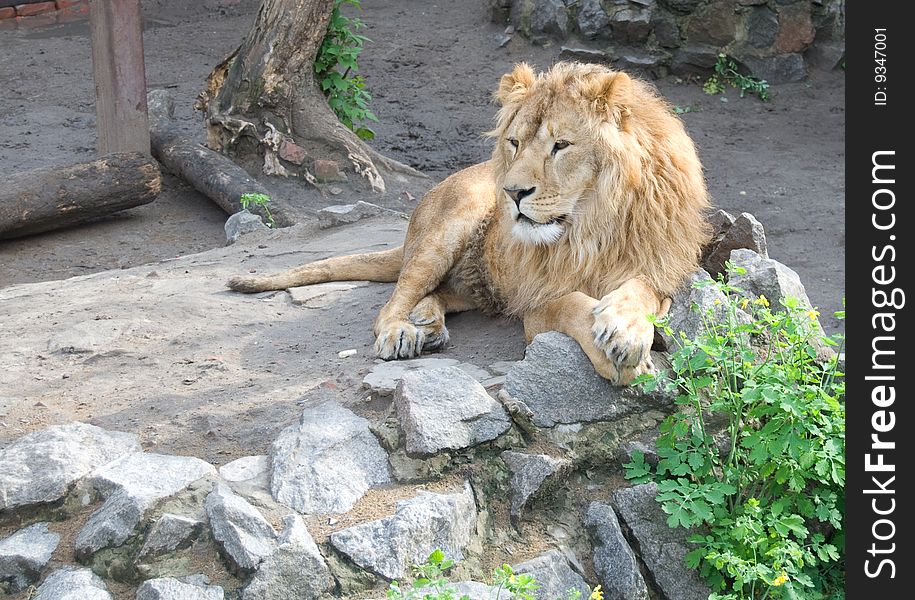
{"x": 120, "y": 76}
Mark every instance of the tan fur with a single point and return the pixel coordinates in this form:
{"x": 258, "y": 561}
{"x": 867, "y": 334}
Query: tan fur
{"x": 605, "y": 229}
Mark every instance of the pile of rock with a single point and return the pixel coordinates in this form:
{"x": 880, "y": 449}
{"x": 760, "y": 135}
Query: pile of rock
{"x": 774, "y": 39}
{"x": 494, "y": 449}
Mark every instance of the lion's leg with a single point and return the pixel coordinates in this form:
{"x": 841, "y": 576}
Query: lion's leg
{"x": 582, "y": 318}
{"x": 622, "y": 328}
{"x": 396, "y": 336}
{"x": 429, "y": 316}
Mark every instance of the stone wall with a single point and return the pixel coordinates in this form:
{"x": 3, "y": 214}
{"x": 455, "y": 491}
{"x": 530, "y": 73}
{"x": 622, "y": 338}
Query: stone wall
{"x": 776, "y": 40}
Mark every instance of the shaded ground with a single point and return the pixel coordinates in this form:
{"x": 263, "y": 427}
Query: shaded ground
{"x": 431, "y": 68}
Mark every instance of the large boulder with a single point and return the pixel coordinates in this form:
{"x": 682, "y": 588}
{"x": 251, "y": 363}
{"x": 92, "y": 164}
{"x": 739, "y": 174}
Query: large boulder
{"x": 390, "y": 546}
{"x": 529, "y": 472}
{"x": 615, "y": 563}
{"x": 557, "y": 382}
{"x": 327, "y": 461}
{"x": 245, "y": 537}
{"x": 661, "y": 548}
{"x": 24, "y": 555}
{"x": 168, "y": 534}
{"x": 744, "y": 232}
{"x": 131, "y": 486}
{"x": 696, "y": 304}
{"x": 554, "y": 575}
{"x": 295, "y": 571}
{"x": 168, "y": 588}
{"x": 72, "y": 584}
{"x": 42, "y": 467}
{"x": 446, "y": 409}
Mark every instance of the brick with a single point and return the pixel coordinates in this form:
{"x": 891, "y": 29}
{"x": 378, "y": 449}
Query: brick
{"x": 7, "y": 13}
{"x": 292, "y": 152}
{"x": 68, "y": 3}
{"x": 39, "y": 8}
{"x": 328, "y": 170}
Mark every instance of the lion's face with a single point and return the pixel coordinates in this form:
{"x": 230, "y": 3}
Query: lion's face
{"x": 551, "y": 146}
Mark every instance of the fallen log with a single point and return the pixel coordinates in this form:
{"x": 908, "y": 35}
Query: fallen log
{"x": 210, "y": 173}
{"x": 54, "y": 197}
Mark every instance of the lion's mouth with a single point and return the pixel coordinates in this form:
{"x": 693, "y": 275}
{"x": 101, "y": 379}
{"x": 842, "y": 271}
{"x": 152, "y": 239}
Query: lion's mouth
{"x": 523, "y": 218}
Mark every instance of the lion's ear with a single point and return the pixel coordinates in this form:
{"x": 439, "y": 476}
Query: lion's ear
{"x": 612, "y": 95}
{"x": 515, "y": 85}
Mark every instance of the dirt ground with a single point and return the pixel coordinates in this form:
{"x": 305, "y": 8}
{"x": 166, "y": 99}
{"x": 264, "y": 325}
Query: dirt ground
{"x": 431, "y": 67}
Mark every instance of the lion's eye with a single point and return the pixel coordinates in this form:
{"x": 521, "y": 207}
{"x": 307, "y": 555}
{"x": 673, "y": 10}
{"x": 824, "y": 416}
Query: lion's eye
{"x": 560, "y": 145}
{"x": 513, "y": 142}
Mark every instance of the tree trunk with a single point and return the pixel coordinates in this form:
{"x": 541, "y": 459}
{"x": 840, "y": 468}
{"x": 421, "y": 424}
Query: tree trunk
{"x": 54, "y": 197}
{"x": 263, "y": 102}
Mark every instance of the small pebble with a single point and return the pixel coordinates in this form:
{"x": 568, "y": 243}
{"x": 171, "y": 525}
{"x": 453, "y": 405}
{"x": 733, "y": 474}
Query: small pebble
{"x": 347, "y": 353}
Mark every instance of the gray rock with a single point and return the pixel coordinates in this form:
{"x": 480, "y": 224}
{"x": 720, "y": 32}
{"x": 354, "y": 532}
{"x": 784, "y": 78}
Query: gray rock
{"x": 541, "y": 20}
{"x": 554, "y": 576}
{"x": 744, "y": 232}
{"x": 585, "y": 55}
{"x": 643, "y": 61}
{"x": 783, "y": 68}
{"x": 501, "y": 367}
{"x": 528, "y": 474}
{"x": 42, "y": 466}
{"x": 631, "y": 25}
{"x": 169, "y": 533}
{"x": 24, "y": 554}
{"x": 384, "y": 376}
{"x": 666, "y": 31}
{"x": 342, "y": 214}
{"x": 825, "y": 55}
{"x": 646, "y": 443}
{"x": 714, "y": 23}
{"x": 614, "y": 561}
{"x": 592, "y": 19}
{"x": 446, "y": 409}
{"x": 661, "y": 548}
{"x": 243, "y": 534}
{"x": 246, "y": 468}
{"x": 72, "y": 584}
{"x": 390, "y": 546}
{"x": 694, "y": 59}
{"x": 558, "y": 383}
{"x": 327, "y": 461}
{"x": 243, "y": 223}
{"x": 295, "y": 571}
{"x": 682, "y": 7}
{"x": 684, "y": 319}
{"x": 762, "y": 27}
{"x": 167, "y": 588}
{"x": 131, "y": 486}
{"x": 767, "y": 277}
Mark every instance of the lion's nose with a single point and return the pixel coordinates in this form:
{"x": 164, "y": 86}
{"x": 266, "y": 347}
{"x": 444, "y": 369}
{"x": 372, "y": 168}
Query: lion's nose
{"x": 519, "y": 194}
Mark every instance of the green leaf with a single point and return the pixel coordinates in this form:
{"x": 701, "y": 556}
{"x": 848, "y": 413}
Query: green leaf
{"x": 436, "y": 557}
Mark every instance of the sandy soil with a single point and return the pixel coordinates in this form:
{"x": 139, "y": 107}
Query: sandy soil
{"x": 431, "y": 67}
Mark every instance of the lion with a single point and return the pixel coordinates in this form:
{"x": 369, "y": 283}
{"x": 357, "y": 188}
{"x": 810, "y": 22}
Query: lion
{"x": 589, "y": 215}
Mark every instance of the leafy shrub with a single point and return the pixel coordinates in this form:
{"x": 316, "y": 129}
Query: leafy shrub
{"x": 726, "y": 74}
{"x": 345, "y": 91}
{"x": 765, "y": 496}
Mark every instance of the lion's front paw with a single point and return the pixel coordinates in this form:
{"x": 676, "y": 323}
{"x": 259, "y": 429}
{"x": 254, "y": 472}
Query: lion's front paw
{"x": 399, "y": 339}
{"x": 624, "y": 333}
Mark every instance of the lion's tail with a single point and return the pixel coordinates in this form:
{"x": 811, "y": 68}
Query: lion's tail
{"x": 381, "y": 266}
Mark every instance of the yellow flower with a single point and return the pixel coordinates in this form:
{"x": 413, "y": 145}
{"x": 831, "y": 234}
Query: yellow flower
{"x": 597, "y": 594}
{"x": 813, "y": 314}
{"x": 762, "y": 301}
{"x": 780, "y": 580}
{"x": 717, "y": 301}
{"x": 744, "y": 302}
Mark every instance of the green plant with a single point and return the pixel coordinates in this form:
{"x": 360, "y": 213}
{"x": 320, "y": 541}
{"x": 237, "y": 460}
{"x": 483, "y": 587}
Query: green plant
{"x": 765, "y": 497}
{"x": 261, "y": 200}
{"x": 335, "y": 68}
{"x": 682, "y": 110}
{"x": 430, "y": 583}
{"x": 726, "y": 73}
